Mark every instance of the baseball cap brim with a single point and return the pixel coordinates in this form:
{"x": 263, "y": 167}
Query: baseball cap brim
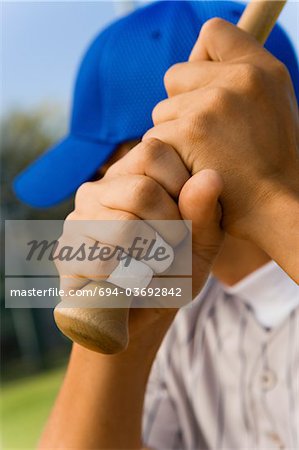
{"x": 60, "y": 171}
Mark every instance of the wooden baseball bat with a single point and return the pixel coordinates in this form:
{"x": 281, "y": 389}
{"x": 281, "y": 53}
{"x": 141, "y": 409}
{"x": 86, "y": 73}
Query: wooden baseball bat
{"x": 260, "y": 16}
{"x": 103, "y": 329}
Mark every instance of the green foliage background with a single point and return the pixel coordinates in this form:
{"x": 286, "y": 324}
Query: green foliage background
{"x": 32, "y": 347}
{"x": 25, "y": 406}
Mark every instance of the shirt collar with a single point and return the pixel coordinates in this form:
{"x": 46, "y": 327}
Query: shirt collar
{"x": 269, "y": 291}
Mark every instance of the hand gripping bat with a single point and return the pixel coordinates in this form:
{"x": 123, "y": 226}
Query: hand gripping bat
{"x": 103, "y": 329}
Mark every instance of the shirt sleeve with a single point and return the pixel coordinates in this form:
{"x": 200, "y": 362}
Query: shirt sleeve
{"x": 161, "y": 428}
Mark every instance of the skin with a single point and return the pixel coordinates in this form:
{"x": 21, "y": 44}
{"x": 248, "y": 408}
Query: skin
{"x": 231, "y": 79}
{"x": 236, "y": 259}
{"x": 237, "y": 186}
{"x": 120, "y": 380}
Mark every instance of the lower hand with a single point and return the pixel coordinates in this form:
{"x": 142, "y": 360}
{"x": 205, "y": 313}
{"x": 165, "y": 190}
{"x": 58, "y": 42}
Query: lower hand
{"x": 145, "y": 184}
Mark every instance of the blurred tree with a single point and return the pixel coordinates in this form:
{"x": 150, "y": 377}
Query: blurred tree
{"x": 24, "y": 136}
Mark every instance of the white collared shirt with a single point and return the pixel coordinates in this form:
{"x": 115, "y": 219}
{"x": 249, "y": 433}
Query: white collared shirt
{"x": 270, "y": 293}
{"x": 226, "y": 375}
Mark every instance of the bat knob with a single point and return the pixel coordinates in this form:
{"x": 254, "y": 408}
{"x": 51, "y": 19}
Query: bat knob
{"x": 104, "y": 330}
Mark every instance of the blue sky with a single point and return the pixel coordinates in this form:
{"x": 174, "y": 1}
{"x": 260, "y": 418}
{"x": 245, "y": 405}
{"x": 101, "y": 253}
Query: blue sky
{"x": 42, "y": 43}
{"x": 41, "y": 46}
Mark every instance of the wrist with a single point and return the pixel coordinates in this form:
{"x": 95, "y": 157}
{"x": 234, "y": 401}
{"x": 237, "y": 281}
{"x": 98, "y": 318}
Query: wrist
{"x": 146, "y": 335}
{"x": 274, "y": 227}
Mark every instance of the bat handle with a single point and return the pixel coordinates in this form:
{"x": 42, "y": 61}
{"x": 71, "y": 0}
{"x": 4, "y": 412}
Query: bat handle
{"x": 259, "y": 18}
{"x": 103, "y": 329}
{"x": 96, "y": 326}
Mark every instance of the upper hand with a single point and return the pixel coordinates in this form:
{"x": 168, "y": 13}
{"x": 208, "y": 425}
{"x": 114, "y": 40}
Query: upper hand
{"x": 232, "y": 108}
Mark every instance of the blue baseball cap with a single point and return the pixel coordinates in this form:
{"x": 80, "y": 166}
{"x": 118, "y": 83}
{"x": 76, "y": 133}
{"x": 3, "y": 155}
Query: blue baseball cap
{"x": 119, "y": 82}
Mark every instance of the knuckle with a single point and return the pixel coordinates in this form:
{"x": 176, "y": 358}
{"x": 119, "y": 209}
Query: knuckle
{"x": 61, "y": 242}
{"x": 219, "y": 99}
{"x": 69, "y": 226}
{"x": 153, "y": 149}
{"x": 83, "y": 192}
{"x": 145, "y": 193}
{"x": 157, "y": 113}
{"x": 194, "y": 129}
{"x": 189, "y": 127}
{"x": 281, "y": 73}
{"x": 71, "y": 216}
{"x": 124, "y": 216}
{"x": 196, "y": 125}
{"x": 211, "y": 26}
{"x": 124, "y": 226}
{"x": 171, "y": 76}
{"x": 250, "y": 76}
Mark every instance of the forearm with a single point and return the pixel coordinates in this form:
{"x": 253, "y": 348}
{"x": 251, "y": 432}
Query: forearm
{"x": 277, "y": 232}
{"x": 101, "y": 400}
{"x": 99, "y": 405}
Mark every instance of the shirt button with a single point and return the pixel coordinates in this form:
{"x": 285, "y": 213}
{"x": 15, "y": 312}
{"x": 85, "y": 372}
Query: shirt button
{"x": 276, "y": 440}
{"x": 268, "y": 380}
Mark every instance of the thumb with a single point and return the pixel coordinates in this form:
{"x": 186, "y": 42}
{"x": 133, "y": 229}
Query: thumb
{"x": 198, "y": 202}
{"x": 220, "y": 40}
